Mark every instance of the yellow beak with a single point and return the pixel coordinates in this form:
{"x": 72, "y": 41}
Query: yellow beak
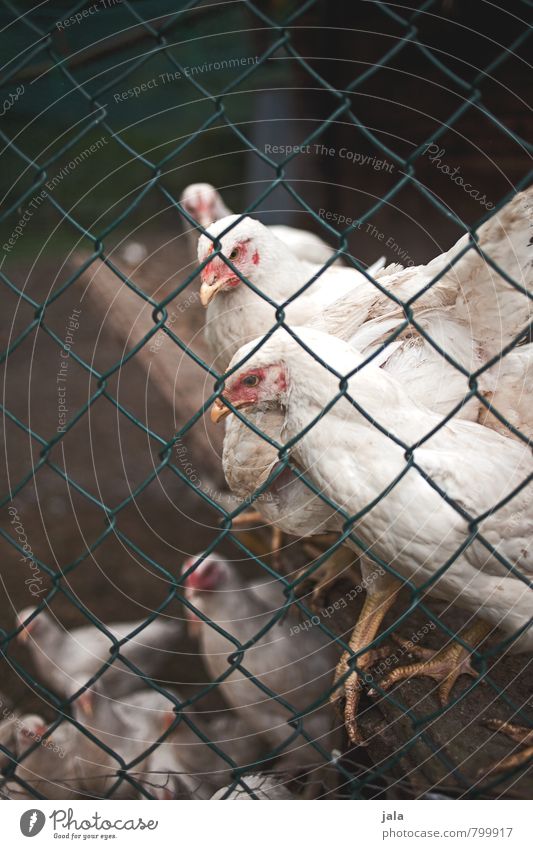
{"x": 208, "y": 292}
{"x": 219, "y": 411}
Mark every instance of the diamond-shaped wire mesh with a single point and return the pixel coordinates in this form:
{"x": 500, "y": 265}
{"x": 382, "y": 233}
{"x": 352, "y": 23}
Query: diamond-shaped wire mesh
{"x": 114, "y": 108}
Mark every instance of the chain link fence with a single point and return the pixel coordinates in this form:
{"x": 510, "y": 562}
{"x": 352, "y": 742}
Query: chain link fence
{"x": 128, "y": 50}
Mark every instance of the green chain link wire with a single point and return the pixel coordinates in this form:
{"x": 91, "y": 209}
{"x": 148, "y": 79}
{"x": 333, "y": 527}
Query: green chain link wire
{"x": 92, "y": 90}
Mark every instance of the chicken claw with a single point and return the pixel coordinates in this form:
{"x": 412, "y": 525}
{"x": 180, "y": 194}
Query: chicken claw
{"x": 522, "y": 736}
{"x": 276, "y": 539}
{"x": 379, "y": 598}
{"x": 445, "y": 665}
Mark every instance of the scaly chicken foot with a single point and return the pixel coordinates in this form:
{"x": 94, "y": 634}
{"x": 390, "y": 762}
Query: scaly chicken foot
{"x": 444, "y": 665}
{"x": 521, "y": 736}
{"x": 378, "y": 600}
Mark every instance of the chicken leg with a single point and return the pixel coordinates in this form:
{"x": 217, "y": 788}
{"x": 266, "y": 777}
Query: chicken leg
{"x": 246, "y": 517}
{"x": 521, "y": 736}
{"x": 340, "y": 564}
{"x": 276, "y": 538}
{"x": 380, "y": 596}
{"x": 445, "y": 665}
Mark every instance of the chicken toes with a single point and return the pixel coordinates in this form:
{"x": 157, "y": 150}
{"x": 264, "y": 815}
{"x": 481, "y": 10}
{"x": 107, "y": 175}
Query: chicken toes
{"x": 521, "y": 736}
{"x": 444, "y": 665}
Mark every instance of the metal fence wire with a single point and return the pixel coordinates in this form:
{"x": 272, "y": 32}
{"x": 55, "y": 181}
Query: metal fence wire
{"x": 85, "y": 83}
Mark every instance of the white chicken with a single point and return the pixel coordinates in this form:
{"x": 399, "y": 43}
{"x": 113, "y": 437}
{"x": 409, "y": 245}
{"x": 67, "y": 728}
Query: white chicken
{"x": 224, "y": 335}
{"x": 429, "y": 497}
{"x": 368, "y": 318}
{"x": 296, "y": 666}
{"x": 66, "y": 764}
{"x": 488, "y": 312}
{"x": 205, "y": 768}
{"x": 182, "y": 765}
{"x": 204, "y": 203}
{"x": 129, "y": 726}
{"x": 235, "y": 312}
{"x": 66, "y": 660}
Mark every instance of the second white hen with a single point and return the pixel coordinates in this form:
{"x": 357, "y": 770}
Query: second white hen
{"x": 204, "y": 203}
{"x": 295, "y": 666}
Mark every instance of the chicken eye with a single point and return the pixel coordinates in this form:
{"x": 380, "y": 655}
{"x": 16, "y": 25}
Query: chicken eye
{"x": 250, "y": 380}
{"x": 234, "y": 254}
